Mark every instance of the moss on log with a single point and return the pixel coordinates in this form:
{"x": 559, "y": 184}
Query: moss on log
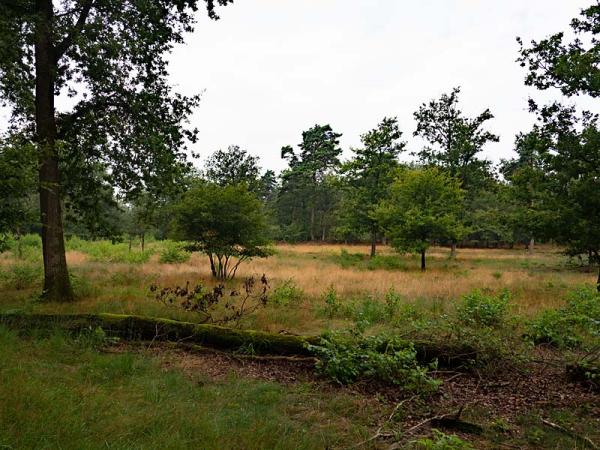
{"x": 146, "y": 328}
{"x": 130, "y": 327}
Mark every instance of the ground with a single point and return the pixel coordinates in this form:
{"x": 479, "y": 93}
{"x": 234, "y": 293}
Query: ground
{"x": 77, "y": 392}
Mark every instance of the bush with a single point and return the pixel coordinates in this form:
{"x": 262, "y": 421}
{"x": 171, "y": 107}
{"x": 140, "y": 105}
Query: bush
{"x": 332, "y": 302}
{"x": 480, "y": 309}
{"x": 441, "y": 441}
{"x": 106, "y": 251}
{"x": 287, "y": 293}
{"x": 23, "y": 275}
{"x": 174, "y": 254}
{"x": 572, "y": 325}
{"x": 346, "y": 358}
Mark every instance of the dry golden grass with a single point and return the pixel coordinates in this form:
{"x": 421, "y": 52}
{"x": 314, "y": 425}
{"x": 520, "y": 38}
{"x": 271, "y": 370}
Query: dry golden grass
{"x": 537, "y": 281}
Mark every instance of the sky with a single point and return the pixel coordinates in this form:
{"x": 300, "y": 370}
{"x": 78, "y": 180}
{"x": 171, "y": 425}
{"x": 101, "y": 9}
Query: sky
{"x": 270, "y": 69}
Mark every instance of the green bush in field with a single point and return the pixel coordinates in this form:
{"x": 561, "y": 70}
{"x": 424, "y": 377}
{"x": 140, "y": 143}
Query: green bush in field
{"x": 572, "y": 325}
{"x": 346, "y": 358}
{"x": 381, "y": 262}
{"x": 479, "y": 309}
{"x": 174, "y": 254}
{"x": 333, "y": 305}
{"x": 287, "y": 293}
{"x": 23, "y": 275}
{"x": 106, "y": 251}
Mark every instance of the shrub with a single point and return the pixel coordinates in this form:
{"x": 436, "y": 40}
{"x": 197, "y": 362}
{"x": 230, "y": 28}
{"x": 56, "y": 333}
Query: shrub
{"x": 287, "y": 293}
{"x": 370, "y": 311}
{"x": 572, "y": 325}
{"x": 392, "y": 301}
{"x": 441, "y": 441}
{"x": 346, "y": 358}
{"x": 174, "y": 254}
{"x": 23, "y": 275}
{"x": 385, "y": 263}
{"x": 332, "y": 302}
{"x": 480, "y": 309}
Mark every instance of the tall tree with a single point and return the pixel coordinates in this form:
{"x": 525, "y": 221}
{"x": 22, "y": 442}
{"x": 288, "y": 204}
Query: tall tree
{"x": 571, "y": 66}
{"x": 304, "y": 181}
{"x": 454, "y": 144}
{"x": 369, "y": 175}
{"x": 424, "y": 206}
{"x": 109, "y": 57}
{"x": 528, "y": 185}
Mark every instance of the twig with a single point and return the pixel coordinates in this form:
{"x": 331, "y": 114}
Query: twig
{"x": 379, "y": 433}
{"x": 570, "y": 433}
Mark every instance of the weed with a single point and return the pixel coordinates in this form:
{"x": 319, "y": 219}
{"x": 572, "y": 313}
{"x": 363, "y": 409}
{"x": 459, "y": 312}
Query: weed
{"x": 174, "y": 254}
{"x": 481, "y": 309}
{"x": 348, "y": 357}
{"x": 287, "y": 293}
{"x": 332, "y": 302}
{"x": 441, "y": 441}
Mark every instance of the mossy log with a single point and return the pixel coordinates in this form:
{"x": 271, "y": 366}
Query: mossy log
{"x": 130, "y": 327}
{"x": 145, "y": 328}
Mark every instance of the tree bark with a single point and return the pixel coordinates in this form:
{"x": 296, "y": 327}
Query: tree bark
{"x": 373, "y": 243}
{"x": 312, "y": 223}
{"x": 57, "y": 286}
{"x": 423, "y": 260}
{"x": 453, "y": 250}
{"x": 598, "y": 281}
{"x": 531, "y": 245}
{"x": 142, "y": 240}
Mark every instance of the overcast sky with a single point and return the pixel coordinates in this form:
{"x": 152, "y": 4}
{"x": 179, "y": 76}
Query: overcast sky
{"x": 273, "y": 68}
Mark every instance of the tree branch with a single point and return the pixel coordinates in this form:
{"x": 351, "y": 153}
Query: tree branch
{"x": 64, "y": 45}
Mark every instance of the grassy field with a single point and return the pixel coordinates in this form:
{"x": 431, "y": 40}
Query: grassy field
{"x": 59, "y": 391}
{"x": 109, "y": 278}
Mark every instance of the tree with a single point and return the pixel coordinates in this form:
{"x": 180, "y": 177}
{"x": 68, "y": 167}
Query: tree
{"x": 424, "y": 206}
{"x": 369, "y": 175}
{"x": 572, "y": 66}
{"x": 303, "y": 184}
{"x": 108, "y": 56}
{"x": 233, "y": 166}
{"x": 454, "y": 144}
{"x": 574, "y": 147}
{"x": 528, "y": 185}
{"x": 225, "y": 222}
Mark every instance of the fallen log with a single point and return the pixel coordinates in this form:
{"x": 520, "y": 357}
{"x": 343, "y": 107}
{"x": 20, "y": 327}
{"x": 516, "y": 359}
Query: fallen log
{"x": 131, "y": 327}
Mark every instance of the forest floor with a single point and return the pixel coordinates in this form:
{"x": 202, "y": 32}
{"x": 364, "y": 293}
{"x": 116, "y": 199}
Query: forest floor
{"x": 73, "y": 392}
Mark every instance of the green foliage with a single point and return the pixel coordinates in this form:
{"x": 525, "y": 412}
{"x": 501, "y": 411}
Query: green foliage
{"x": 23, "y": 275}
{"x": 333, "y": 304}
{"x": 225, "y": 222}
{"x": 106, "y": 251}
{"x": 480, "y": 309}
{"x": 346, "y": 358}
{"x": 367, "y": 177}
{"x": 424, "y": 205}
{"x": 362, "y": 261}
{"x": 441, "y": 441}
{"x": 287, "y": 294}
{"x": 233, "y": 166}
{"x": 575, "y": 325}
{"x": 174, "y": 254}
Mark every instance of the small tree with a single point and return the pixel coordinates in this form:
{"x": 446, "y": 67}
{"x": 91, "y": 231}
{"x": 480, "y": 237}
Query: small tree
{"x": 424, "y": 205}
{"x": 225, "y": 222}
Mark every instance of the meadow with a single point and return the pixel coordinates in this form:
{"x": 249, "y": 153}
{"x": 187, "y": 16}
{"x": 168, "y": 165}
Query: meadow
{"x": 92, "y": 393}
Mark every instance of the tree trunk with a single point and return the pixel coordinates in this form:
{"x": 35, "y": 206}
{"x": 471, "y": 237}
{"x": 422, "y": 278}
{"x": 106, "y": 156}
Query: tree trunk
{"x": 531, "y": 246}
{"x": 453, "y": 250}
{"x": 423, "y": 260}
{"x": 143, "y": 241}
{"x": 312, "y": 223}
{"x": 57, "y": 286}
{"x": 598, "y": 280}
{"x": 373, "y": 243}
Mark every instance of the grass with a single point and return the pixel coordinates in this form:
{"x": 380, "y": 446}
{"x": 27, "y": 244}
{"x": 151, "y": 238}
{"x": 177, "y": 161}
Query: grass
{"x": 60, "y": 392}
{"x": 110, "y": 278}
